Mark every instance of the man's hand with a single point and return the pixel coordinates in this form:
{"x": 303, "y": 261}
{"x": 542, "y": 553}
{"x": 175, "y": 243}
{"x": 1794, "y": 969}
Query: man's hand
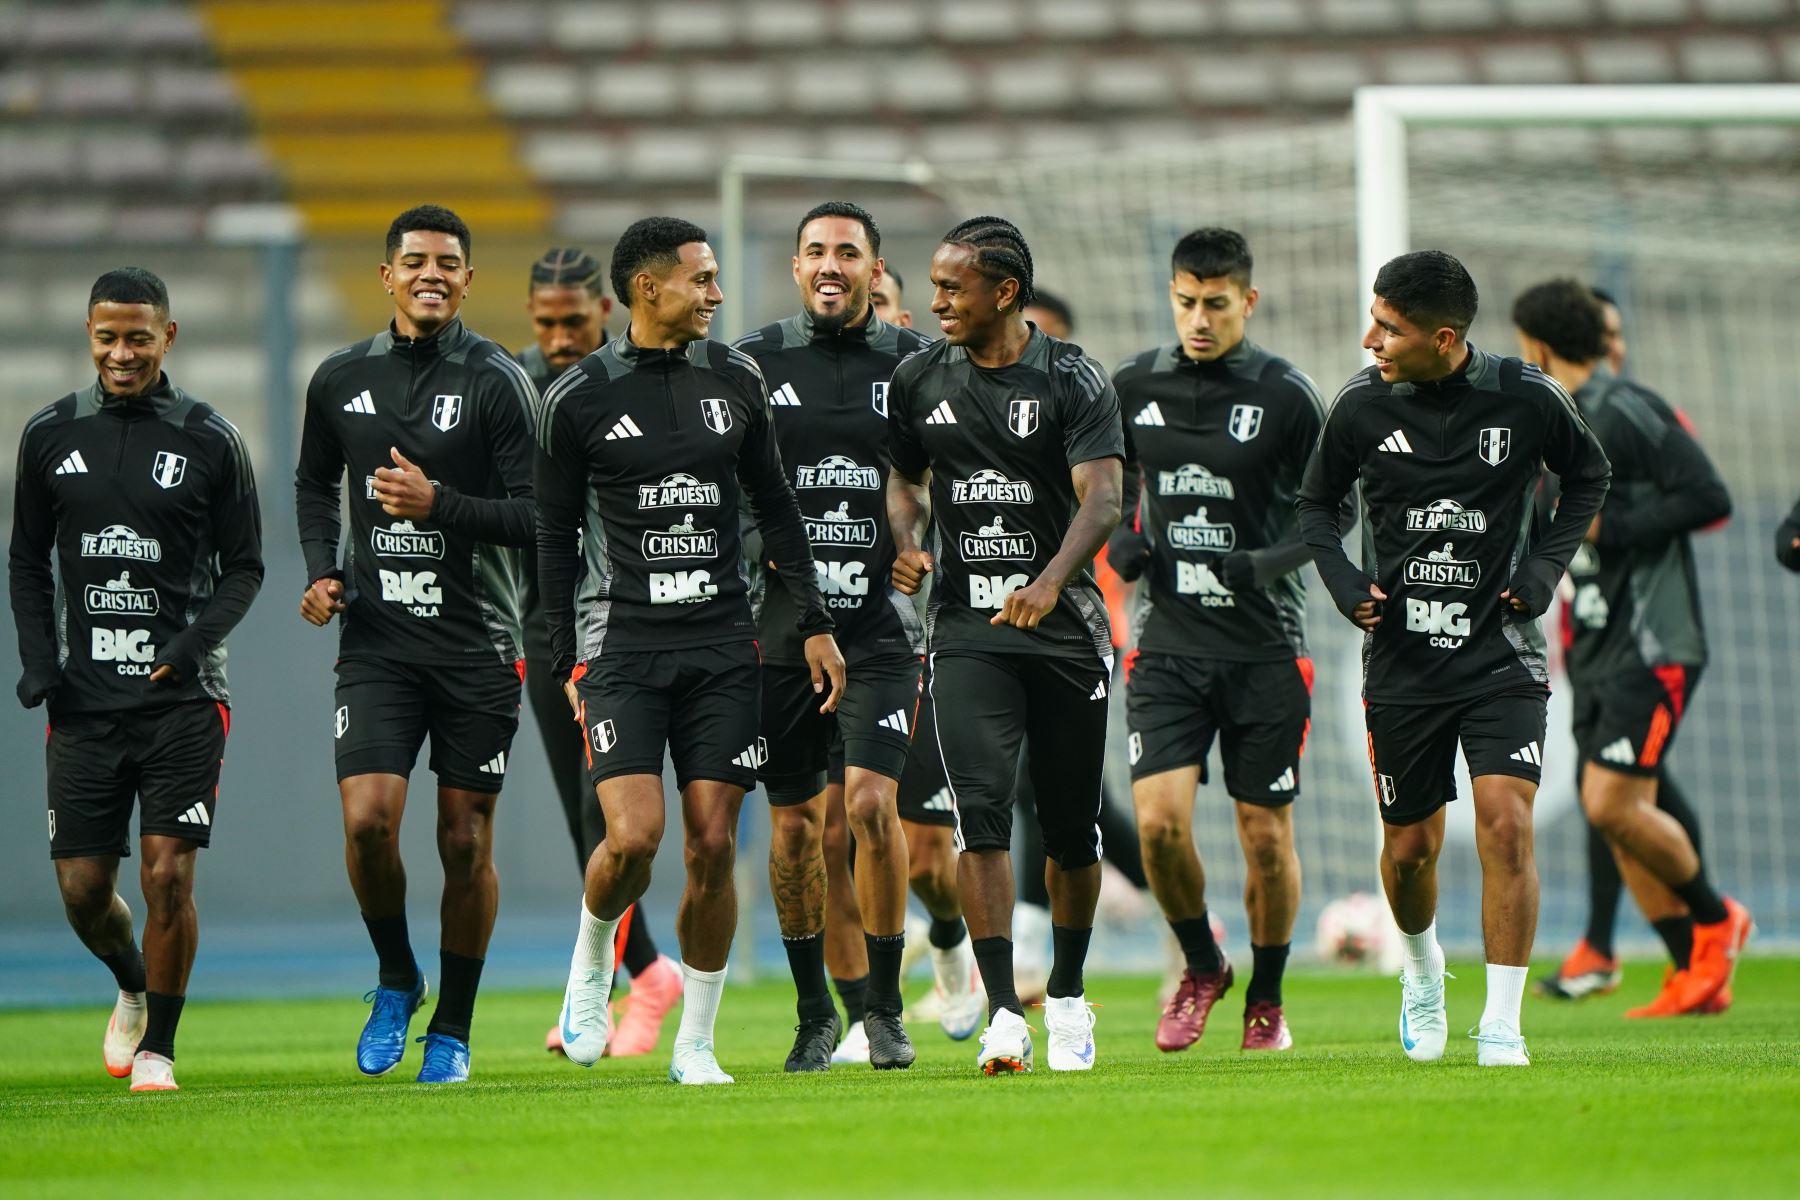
{"x": 1367, "y": 615}
{"x": 163, "y": 674}
{"x": 910, "y": 570}
{"x": 1237, "y": 571}
{"x": 1593, "y": 530}
{"x": 1027, "y": 606}
{"x": 1128, "y": 552}
{"x": 322, "y": 601}
{"x": 573, "y": 697}
{"x": 403, "y": 489}
{"x": 826, "y": 661}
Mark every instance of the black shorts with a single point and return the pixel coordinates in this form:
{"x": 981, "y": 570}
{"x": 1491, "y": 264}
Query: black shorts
{"x": 387, "y": 706}
{"x": 1627, "y": 723}
{"x": 924, "y": 791}
{"x": 872, "y": 728}
{"x": 988, "y": 705}
{"x": 1260, "y": 712}
{"x": 166, "y": 758}
{"x": 698, "y": 704}
{"x": 1412, "y": 747}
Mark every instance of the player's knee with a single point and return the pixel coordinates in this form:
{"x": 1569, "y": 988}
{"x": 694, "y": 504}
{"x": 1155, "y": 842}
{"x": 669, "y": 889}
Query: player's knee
{"x": 634, "y": 842}
{"x": 1160, "y": 830}
{"x": 167, "y": 886}
{"x": 796, "y": 832}
{"x": 86, "y": 896}
{"x": 464, "y": 848}
{"x": 710, "y": 851}
{"x": 1410, "y": 856}
{"x": 868, "y": 808}
{"x": 370, "y": 831}
{"x": 1505, "y": 837}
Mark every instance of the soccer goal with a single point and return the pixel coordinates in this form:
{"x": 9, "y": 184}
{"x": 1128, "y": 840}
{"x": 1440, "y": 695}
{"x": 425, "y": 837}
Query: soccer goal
{"x": 1680, "y": 201}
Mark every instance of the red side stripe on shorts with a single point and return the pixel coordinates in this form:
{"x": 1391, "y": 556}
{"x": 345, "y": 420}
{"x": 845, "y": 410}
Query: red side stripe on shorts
{"x": 1131, "y": 658}
{"x": 519, "y": 666}
{"x": 1306, "y": 672}
{"x": 1653, "y": 742}
{"x": 1674, "y": 682}
{"x": 579, "y": 673}
{"x": 620, "y": 933}
{"x": 225, "y": 719}
{"x": 587, "y": 747}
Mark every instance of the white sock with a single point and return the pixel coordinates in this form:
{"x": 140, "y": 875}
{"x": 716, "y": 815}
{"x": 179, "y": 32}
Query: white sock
{"x": 594, "y": 944}
{"x": 1505, "y": 992}
{"x": 1424, "y": 957}
{"x": 700, "y": 993}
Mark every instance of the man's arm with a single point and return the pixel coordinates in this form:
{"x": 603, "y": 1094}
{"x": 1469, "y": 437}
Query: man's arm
{"x": 1097, "y": 489}
{"x": 1689, "y": 491}
{"x": 237, "y": 540}
{"x": 1325, "y": 490}
{"x": 506, "y": 406}
{"x": 1243, "y": 569}
{"x": 31, "y": 578}
{"x": 1574, "y": 453}
{"x": 318, "y": 480}
{"x": 908, "y": 513}
{"x": 559, "y": 473}
{"x": 1128, "y": 549}
{"x": 777, "y": 516}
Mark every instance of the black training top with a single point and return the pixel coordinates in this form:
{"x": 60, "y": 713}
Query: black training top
{"x": 447, "y": 588}
{"x": 828, "y": 396}
{"x": 641, "y": 454}
{"x": 146, "y": 508}
{"x": 1217, "y": 449}
{"x": 999, "y": 443}
{"x": 1637, "y": 600}
{"x": 1447, "y": 470}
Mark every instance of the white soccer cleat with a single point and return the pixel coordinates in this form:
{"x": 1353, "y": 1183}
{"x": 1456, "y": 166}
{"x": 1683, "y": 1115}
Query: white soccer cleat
{"x": 152, "y": 1073}
{"x": 123, "y": 1033}
{"x": 854, "y": 1049}
{"x": 1499, "y": 1045}
{"x": 1424, "y": 1026}
{"x": 1005, "y": 1045}
{"x": 1069, "y": 1020}
{"x": 586, "y": 1024}
{"x": 1031, "y": 951}
{"x": 961, "y": 1003}
{"x": 695, "y": 1064}
{"x": 918, "y": 941}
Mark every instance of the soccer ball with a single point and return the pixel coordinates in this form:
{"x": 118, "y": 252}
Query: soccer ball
{"x": 1358, "y": 931}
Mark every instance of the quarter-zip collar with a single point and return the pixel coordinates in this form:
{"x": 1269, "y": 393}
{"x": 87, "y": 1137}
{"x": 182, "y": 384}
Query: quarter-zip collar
{"x": 419, "y": 351}
{"x": 157, "y": 399}
{"x": 861, "y": 334}
{"x": 636, "y": 356}
{"x": 1479, "y": 370}
{"x": 1234, "y": 362}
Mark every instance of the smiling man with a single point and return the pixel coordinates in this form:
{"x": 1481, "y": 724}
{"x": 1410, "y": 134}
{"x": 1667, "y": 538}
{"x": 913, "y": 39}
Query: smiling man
{"x": 432, "y": 422}
{"x": 1447, "y": 443}
{"x": 136, "y": 547}
{"x": 644, "y": 452}
{"x": 1009, "y": 440}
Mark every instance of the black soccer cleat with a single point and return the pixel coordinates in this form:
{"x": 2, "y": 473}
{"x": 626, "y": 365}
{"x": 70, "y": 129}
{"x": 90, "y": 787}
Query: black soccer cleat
{"x": 889, "y": 1047}
{"x": 814, "y": 1040}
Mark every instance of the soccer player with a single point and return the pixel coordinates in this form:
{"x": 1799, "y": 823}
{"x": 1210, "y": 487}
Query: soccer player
{"x": 433, "y": 423}
{"x": 888, "y": 301}
{"x": 1787, "y": 541}
{"x": 1217, "y": 433}
{"x": 1614, "y": 319}
{"x": 568, "y": 305}
{"x": 1051, "y": 313}
{"x": 136, "y": 548}
{"x": 645, "y": 447}
{"x": 1639, "y": 643}
{"x": 1447, "y": 442}
{"x": 1017, "y": 437}
{"x": 829, "y": 368}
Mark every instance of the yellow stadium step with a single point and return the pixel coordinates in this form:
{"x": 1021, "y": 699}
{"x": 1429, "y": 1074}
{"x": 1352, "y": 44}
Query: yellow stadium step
{"x": 332, "y": 30}
{"x": 290, "y": 96}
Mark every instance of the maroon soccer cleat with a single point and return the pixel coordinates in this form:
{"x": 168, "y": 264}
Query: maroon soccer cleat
{"x": 1265, "y": 1028}
{"x": 1184, "y": 1020}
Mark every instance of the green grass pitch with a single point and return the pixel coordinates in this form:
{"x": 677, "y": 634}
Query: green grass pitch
{"x": 272, "y": 1106}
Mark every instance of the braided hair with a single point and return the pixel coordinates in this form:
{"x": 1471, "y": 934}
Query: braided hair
{"x": 1000, "y": 252}
{"x": 569, "y": 266}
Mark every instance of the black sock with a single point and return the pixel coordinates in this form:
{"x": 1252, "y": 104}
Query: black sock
{"x": 127, "y": 967}
{"x": 640, "y": 947}
{"x": 165, "y": 1015}
{"x": 1702, "y": 901}
{"x": 461, "y": 975}
{"x": 855, "y": 995}
{"x": 1604, "y": 887}
{"x": 399, "y": 970}
{"x": 994, "y": 955}
{"x": 1265, "y": 975}
{"x": 806, "y": 963}
{"x": 1197, "y": 944}
{"x": 947, "y": 934}
{"x": 884, "y": 972}
{"x": 1677, "y": 934}
{"x": 1069, "y": 953}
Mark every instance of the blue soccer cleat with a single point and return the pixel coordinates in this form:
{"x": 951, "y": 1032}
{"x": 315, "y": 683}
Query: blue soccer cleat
{"x": 446, "y": 1059}
{"x": 383, "y": 1039}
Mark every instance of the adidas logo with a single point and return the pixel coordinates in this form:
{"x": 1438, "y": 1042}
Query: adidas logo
{"x": 1152, "y": 415}
{"x": 1619, "y": 752}
{"x": 496, "y": 765}
{"x": 1286, "y": 783}
{"x": 73, "y": 465}
{"x": 196, "y": 816}
{"x": 1099, "y": 691}
{"x": 896, "y": 721}
{"x": 939, "y": 802}
{"x": 1396, "y": 443}
{"x": 1530, "y": 753}
{"x": 624, "y": 428}
{"x": 785, "y": 397}
{"x": 754, "y": 755}
{"x": 941, "y": 415}
{"x": 364, "y": 403}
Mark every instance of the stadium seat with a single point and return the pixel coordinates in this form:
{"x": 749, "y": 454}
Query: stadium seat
{"x": 1168, "y": 19}
{"x": 1426, "y": 65}
{"x": 1646, "y": 12}
{"x": 994, "y": 21}
{"x": 1128, "y": 83}
{"x": 1265, "y": 17}
{"x": 1548, "y": 14}
{"x": 1745, "y": 10}
{"x": 928, "y": 83}
{"x": 788, "y": 23}
{"x": 960, "y": 142}
{"x": 1626, "y": 60}
{"x": 647, "y": 89}
{"x": 1230, "y": 82}
{"x": 192, "y": 92}
{"x": 1044, "y": 139}
{"x": 1458, "y": 14}
{"x": 536, "y": 89}
{"x": 1527, "y": 62}
{"x": 35, "y": 158}
{"x": 1726, "y": 59}
{"x": 734, "y": 88}
{"x": 827, "y": 86}
{"x": 503, "y": 24}
{"x": 689, "y": 24}
{"x": 113, "y": 159}
{"x": 1034, "y": 83}
{"x": 571, "y": 158}
{"x": 1325, "y": 77}
{"x": 1072, "y": 20}
{"x": 901, "y": 23}
{"x": 580, "y": 26}
{"x": 661, "y": 155}
{"x": 1360, "y": 16}
{"x": 59, "y": 222}
{"x": 92, "y": 90}
{"x": 873, "y": 143}
{"x": 228, "y": 164}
